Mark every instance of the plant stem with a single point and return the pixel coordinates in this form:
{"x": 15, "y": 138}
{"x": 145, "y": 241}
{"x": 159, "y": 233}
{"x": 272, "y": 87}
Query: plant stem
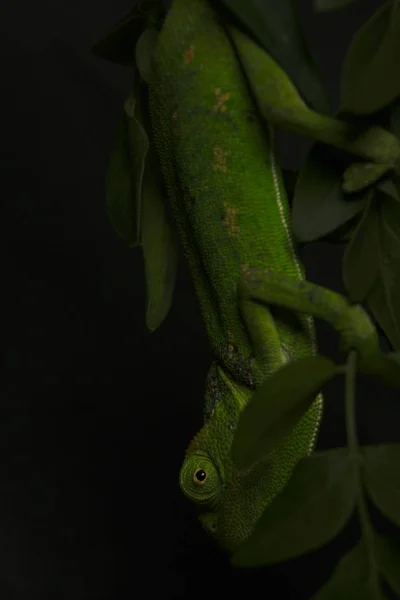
{"x": 367, "y": 532}
{"x": 350, "y": 396}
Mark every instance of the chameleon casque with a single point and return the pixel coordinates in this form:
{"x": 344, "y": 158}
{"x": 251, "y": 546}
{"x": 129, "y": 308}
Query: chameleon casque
{"x": 230, "y": 207}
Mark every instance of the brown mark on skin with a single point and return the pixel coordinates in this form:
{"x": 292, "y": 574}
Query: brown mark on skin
{"x": 188, "y": 55}
{"x": 229, "y": 220}
{"x": 220, "y": 100}
{"x": 219, "y": 159}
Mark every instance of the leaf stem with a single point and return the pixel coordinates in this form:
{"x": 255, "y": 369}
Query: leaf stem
{"x": 350, "y": 398}
{"x": 367, "y": 532}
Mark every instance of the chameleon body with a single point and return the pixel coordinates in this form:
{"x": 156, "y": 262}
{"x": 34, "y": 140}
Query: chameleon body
{"x": 231, "y": 212}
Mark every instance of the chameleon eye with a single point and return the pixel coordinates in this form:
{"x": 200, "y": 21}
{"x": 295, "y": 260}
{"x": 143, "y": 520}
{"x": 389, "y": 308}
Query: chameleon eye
{"x": 199, "y": 479}
{"x": 200, "y": 476}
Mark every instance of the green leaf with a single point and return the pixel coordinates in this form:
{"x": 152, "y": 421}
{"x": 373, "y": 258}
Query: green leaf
{"x": 387, "y": 553}
{"x": 360, "y": 261}
{"x": 312, "y": 509}
{"x": 274, "y": 25}
{"x": 381, "y": 475}
{"x": 123, "y": 206}
{"x": 157, "y": 235}
{"x": 351, "y": 579}
{"x": 384, "y": 298}
{"x": 118, "y": 44}
{"x": 159, "y": 245}
{"x": 325, "y": 5}
{"x": 319, "y": 204}
{"x": 144, "y": 52}
{"x": 277, "y": 406}
{"x": 370, "y": 76}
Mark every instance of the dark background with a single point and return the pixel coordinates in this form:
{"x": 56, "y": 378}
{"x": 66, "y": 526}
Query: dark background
{"x": 96, "y": 412}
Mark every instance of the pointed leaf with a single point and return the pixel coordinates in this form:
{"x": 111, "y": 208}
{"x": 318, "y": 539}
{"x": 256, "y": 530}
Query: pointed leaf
{"x": 351, "y": 579}
{"x": 325, "y": 5}
{"x": 274, "y": 25}
{"x": 157, "y": 235}
{"x": 144, "y": 52}
{"x": 370, "y": 78}
{"x": 121, "y": 202}
{"x": 360, "y": 262}
{"x": 319, "y": 204}
{"x": 277, "y": 406}
{"x": 118, "y": 44}
{"x": 159, "y": 245}
{"x": 387, "y": 553}
{"x": 312, "y": 509}
{"x": 384, "y": 299}
{"x": 381, "y": 474}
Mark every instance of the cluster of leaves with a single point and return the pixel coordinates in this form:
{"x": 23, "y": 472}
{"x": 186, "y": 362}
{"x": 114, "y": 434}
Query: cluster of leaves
{"x": 135, "y": 195}
{"x": 367, "y": 219}
{"x": 325, "y": 488}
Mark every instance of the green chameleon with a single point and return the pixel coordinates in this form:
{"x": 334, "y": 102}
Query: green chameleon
{"x": 230, "y": 207}
{"x": 228, "y": 202}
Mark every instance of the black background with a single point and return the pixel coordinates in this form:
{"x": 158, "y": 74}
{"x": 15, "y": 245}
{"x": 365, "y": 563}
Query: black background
{"x": 96, "y": 412}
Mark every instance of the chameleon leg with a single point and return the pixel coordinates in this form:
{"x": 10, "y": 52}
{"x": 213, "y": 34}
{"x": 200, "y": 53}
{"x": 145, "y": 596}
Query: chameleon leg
{"x": 267, "y": 352}
{"x": 350, "y": 320}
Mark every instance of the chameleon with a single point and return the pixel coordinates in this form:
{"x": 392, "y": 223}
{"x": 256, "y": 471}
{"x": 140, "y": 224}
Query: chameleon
{"x": 214, "y": 144}
{"x": 229, "y": 204}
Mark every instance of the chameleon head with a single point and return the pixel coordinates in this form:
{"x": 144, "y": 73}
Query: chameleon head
{"x": 230, "y": 501}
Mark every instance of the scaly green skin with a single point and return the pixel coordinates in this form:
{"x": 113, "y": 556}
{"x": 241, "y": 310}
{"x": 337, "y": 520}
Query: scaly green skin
{"x": 231, "y": 211}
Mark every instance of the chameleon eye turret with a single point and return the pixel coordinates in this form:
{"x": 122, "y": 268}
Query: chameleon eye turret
{"x": 199, "y": 480}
